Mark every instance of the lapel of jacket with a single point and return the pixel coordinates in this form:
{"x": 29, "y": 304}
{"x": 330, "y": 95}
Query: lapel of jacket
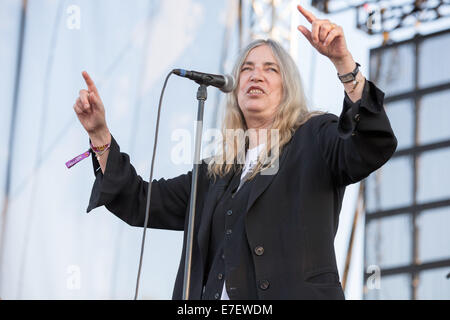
{"x": 262, "y": 181}
{"x": 215, "y": 191}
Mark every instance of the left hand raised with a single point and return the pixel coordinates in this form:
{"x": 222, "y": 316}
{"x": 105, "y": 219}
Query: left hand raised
{"x": 327, "y": 37}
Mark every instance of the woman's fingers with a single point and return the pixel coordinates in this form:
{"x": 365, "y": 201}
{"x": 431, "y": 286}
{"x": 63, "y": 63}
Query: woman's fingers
{"x": 77, "y": 109}
{"x": 324, "y": 29}
{"x": 94, "y": 100}
{"x": 84, "y": 98}
{"x": 320, "y": 30}
{"x": 92, "y": 95}
{"x": 89, "y": 82}
{"x": 78, "y": 106}
{"x": 306, "y": 33}
{"x": 84, "y": 107}
{"x": 325, "y": 36}
{"x": 307, "y": 14}
{"x": 333, "y": 34}
{"x": 315, "y": 31}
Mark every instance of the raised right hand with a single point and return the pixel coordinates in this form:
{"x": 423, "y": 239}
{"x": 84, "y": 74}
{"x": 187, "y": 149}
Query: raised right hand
{"x": 90, "y": 110}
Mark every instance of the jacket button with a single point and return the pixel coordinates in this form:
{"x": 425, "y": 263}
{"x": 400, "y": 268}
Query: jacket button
{"x": 217, "y": 296}
{"x": 264, "y": 284}
{"x": 229, "y": 231}
{"x": 353, "y": 134}
{"x": 220, "y": 276}
{"x": 357, "y": 117}
{"x": 229, "y": 212}
{"x": 259, "y": 251}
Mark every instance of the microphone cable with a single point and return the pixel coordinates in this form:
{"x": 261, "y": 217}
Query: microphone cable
{"x": 147, "y": 208}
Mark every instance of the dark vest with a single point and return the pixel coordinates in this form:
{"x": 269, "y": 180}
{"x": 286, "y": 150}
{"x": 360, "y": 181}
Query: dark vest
{"x": 229, "y": 255}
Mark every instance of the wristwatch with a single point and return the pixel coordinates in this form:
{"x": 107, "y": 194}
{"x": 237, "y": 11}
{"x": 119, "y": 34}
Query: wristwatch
{"x": 351, "y": 76}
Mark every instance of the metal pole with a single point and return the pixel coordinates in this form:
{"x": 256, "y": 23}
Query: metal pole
{"x": 201, "y": 97}
{"x": 240, "y": 27}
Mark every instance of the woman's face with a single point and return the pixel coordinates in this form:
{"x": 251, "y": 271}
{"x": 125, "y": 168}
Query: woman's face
{"x": 260, "y": 85}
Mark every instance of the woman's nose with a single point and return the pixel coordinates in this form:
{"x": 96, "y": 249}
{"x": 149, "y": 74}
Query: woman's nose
{"x": 256, "y": 75}
{"x": 256, "y": 78}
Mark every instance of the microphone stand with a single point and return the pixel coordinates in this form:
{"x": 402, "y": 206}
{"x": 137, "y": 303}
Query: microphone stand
{"x": 201, "y": 97}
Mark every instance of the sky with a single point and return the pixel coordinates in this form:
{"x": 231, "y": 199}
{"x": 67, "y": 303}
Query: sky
{"x": 53, "y": 249}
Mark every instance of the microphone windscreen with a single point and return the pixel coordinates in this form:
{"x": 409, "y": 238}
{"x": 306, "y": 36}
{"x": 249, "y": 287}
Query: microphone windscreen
{"x": 230, "y": 83}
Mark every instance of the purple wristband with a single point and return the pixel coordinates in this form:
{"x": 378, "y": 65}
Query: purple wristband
{"x": 77, "y": 159}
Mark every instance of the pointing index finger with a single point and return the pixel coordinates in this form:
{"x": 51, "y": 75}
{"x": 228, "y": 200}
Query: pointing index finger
{"x": 89, "y": 82}
{"x": 307, "y": 14}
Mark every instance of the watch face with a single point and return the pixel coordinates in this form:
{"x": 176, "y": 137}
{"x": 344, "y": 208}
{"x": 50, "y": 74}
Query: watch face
{"x": 350, "y": 76}
{"x": 347, "y": 78}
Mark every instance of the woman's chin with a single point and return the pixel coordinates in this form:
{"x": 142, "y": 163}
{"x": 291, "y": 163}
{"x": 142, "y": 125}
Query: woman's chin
{"x": 254, "y": 108}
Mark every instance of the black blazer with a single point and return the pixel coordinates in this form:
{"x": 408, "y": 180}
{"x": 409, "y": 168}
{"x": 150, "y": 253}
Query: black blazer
{"x": 293, "y": 214}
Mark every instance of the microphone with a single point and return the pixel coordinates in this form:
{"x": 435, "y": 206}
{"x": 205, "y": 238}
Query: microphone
{"x": 225, "y": 83}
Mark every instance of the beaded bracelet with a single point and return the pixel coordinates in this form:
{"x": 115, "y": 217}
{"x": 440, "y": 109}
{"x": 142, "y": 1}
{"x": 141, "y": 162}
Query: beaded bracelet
{"x": 101, "y": 148}
{"x": 355, "y": 84}
{"x": 97, "y": 150}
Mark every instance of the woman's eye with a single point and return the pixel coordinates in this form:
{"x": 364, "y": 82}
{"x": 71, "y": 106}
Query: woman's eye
{"x": 244, "y": 69}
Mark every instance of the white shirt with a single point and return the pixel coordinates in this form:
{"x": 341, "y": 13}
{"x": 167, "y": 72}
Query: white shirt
{"x": 251, "y": 158}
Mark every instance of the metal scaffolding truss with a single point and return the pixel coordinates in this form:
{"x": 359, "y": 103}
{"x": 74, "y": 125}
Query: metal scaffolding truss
{"x": 416, "y": 208}
{"x": 382, "y": 16}
{"x": 275, "y": 19}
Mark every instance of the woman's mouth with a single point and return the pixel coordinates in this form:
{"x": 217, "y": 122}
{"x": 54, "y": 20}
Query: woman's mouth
{"x": 255, "y": 91}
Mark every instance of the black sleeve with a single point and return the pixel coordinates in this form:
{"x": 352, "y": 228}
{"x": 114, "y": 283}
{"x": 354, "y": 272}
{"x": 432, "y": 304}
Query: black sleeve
{"x": 360, "y": 141}
{"x": 124, "y": 193}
